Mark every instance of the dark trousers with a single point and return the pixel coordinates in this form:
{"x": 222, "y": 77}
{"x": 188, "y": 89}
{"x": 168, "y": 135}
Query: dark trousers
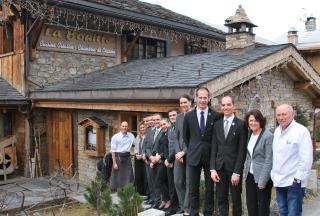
{"x": 258, "y": 200}
{"x": 194, "y": 175}
{"x": 172, "y": 190}
{"x": 140, "y": 177}
{"x": 223, "y": 187}
{"x": 161, "y": 188}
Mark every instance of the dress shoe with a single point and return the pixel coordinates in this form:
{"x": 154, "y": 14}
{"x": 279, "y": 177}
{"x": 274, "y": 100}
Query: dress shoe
{"x": 171, "y": 212}
{"x": 155, "y": 205}
{"x": 167, "y": 205}
{"x": 150, "y": 201}
{"x": 180, "y": 211}
{"x": 162, "y": 205}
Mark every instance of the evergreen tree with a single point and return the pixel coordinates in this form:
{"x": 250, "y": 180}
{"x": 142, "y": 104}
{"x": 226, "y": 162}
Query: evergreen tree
{"x": 99, "y": 196}
{"x": 300, "y": 117}
{"x": 130, "y": 201}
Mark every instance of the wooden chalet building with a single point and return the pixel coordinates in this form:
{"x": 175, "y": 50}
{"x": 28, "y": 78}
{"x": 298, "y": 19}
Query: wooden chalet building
{"x": 43, "y": 43}
{"x": 85, "y": 66}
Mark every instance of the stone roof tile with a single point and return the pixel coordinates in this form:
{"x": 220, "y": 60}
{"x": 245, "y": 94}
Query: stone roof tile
{"x": 179, "y": 71}
{"x": 156, "y": 11}
{"x": 8, "y": 93}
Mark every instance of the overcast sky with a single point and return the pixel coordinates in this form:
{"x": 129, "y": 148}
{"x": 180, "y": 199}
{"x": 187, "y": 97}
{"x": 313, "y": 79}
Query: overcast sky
{"x": 273, "y": 17}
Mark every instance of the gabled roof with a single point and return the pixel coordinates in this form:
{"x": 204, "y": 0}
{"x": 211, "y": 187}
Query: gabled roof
{"x": 306, "y": 39}
{"x": 138, "y": 11}
{"x": 166, "y": 78}
{"x": 9, "y": 95}
{"x": 179, "y": 71}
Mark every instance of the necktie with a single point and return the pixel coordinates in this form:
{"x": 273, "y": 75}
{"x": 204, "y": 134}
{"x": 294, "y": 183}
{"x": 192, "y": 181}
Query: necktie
{"x": 226, "y": 128}
{"x": 202, "y": 125}
{"x": 155, "y": 134}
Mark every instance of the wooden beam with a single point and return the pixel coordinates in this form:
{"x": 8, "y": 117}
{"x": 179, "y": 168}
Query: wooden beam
{"x": 1, "y": 39}
{"x": 132, "y": 44}
{"x": 316, "y": 103}
{"x": 36, "y": 33}
{"x": 302, "y": 85}
{"x": 14, "y": 10}
{"x": 138, "y": 107}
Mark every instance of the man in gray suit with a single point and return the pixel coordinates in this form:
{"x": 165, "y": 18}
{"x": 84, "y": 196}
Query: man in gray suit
{"x": 148, "y": 121}
{"x": 169, "y": 162}
{"x": 150, "y": 149}
{"x": 181, "y": 182}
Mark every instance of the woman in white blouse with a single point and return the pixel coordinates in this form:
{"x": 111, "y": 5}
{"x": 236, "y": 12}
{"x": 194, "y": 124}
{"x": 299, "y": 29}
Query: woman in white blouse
{"x": 258, "y": 165}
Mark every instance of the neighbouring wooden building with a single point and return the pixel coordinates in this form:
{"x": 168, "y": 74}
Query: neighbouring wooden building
{"x": 307, "y": 41}
{"x": 88, "y": 65}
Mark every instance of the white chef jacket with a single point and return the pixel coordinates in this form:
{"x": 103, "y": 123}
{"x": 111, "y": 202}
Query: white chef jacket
{"x": 292, "y": 155}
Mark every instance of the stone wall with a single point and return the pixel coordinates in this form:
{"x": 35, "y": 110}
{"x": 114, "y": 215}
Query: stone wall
{"x": 265, "y": 93}
{"x": 239, "y": 40}
{"x": 50, "y": 67}
{"x": 87, "y": 166}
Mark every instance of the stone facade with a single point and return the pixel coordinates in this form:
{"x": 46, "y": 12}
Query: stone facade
{"x": 87, "y": 166}
{"x": 239, "y": 40}
{"x": 266, "y": 92}
{"x": 50, "y": 67}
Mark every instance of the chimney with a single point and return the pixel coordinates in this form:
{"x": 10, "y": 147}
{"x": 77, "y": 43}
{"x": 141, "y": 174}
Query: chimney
{"x": 240, "y": 34}
{"x": 311, "y": 24}
{"x": 292, "y": 36}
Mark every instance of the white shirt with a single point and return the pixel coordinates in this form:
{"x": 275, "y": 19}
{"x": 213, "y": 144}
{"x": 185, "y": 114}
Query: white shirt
{"x": 122, "y": 143}
{"x": 229, "y": 119}
{"x": 205, "y": 113}
{"x": 292, "y": 155}
{"x": 250, "y": 147}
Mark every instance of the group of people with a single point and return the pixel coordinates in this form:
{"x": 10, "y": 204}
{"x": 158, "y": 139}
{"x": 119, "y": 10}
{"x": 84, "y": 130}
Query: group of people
{"x": 170, "y": 155}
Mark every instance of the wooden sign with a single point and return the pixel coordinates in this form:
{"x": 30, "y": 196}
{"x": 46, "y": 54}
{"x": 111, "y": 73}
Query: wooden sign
{"x": 60, "y": 39}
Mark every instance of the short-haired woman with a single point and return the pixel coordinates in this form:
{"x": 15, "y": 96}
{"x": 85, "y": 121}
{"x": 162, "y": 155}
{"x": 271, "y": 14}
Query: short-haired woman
{"x": 258, "y": 165}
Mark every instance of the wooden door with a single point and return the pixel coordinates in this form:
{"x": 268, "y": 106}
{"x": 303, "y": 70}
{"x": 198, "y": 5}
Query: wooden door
{"x": 60, "y": 142}
{"x": 133, "y": 120}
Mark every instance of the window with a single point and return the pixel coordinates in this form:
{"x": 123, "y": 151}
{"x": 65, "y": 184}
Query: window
{"x": 147, "y": 48}
{"x": 93, "y": 137}
{"x": 193, "y": 48}
{"x": 5, "y": 124}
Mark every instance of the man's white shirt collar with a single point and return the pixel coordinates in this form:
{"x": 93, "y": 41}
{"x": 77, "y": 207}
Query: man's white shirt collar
{"x": 230, "y": 119}
{"x": 206, "y": 110}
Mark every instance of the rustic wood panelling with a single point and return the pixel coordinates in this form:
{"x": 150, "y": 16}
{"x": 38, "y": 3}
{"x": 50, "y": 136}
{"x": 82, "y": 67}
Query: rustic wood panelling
{"x": 138, "y": 107}
{"x": 18, "y": 35}
{"x": 60, "y": 141}
{"x": 12, "y": 69}
{"x": 18, "y": 127}
{"x": 1, "y": 39}
{"x": 314, "y": 60}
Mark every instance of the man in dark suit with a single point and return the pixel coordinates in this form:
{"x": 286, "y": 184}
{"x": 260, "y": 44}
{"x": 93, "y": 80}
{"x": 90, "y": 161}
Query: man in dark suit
{"x": 227, "y": 157}
{"x": 197, "y": 134}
